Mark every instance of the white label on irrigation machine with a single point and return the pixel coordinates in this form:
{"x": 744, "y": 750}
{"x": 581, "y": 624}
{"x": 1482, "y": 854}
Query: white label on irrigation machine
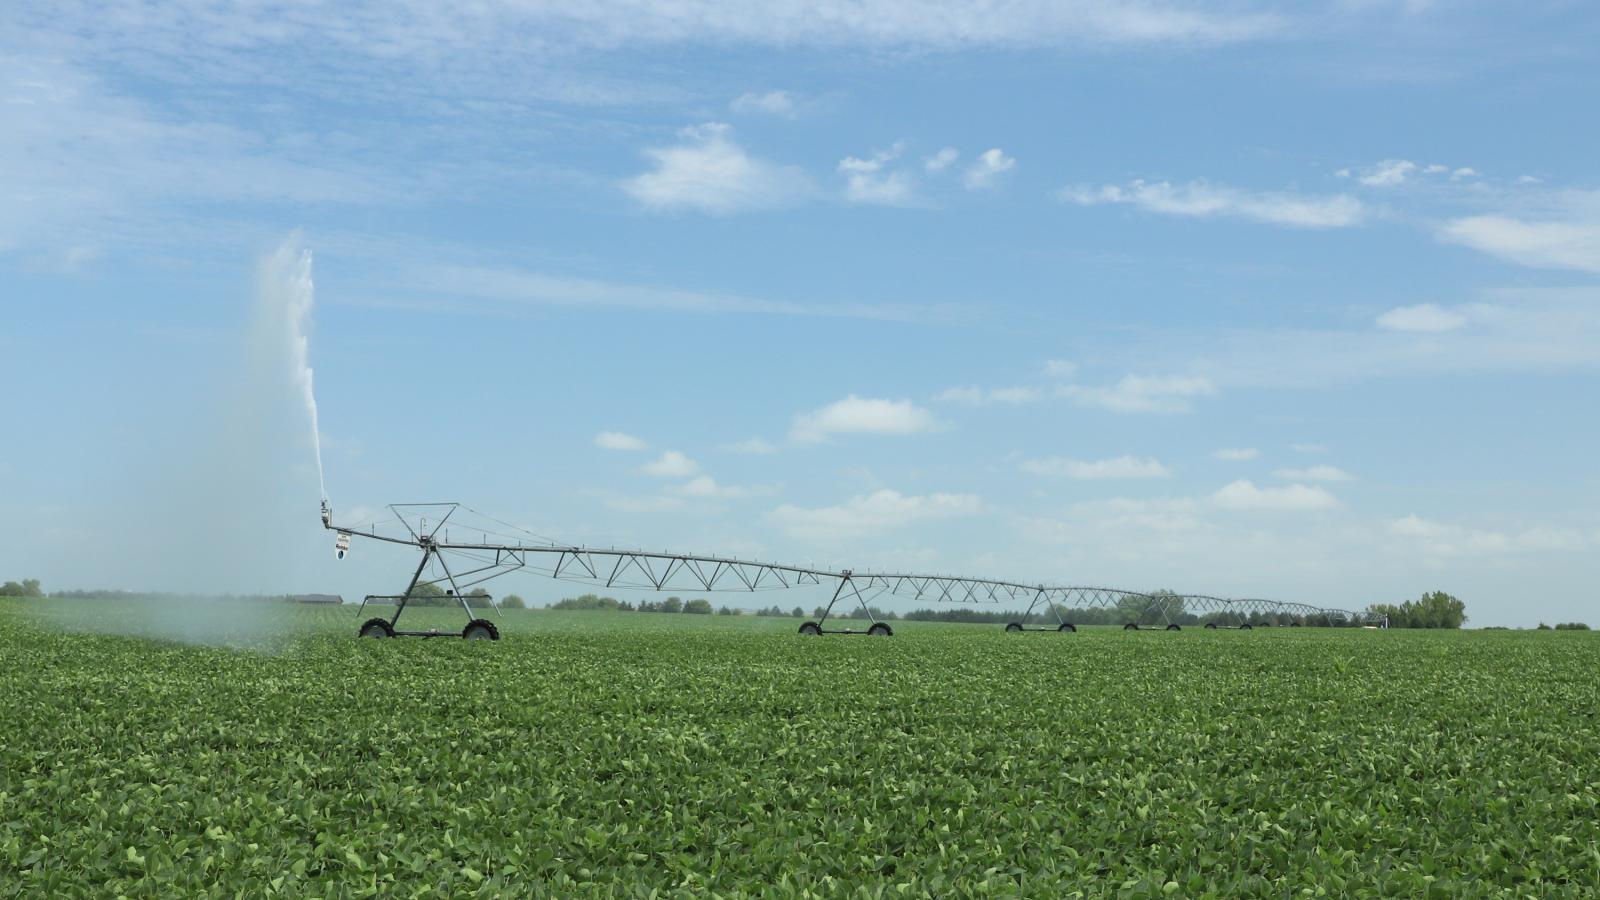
{"x": 341, "y": 545}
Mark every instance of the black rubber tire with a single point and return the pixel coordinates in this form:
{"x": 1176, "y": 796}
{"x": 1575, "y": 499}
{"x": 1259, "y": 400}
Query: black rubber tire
{"x": 1013, "y": 626}
{"x": 1211, "y": 625}
{"x": 1068, "y": 626}
{"x": 1245, "y": 627}
{"x": 880, "y": 629}
{"x": 810, "y": 628}
{"x": 1294, "y": 624}
{"x": 1263, "y": 624}
{"x": 480, "y": 630}
{"x": 376, "y": 628}
{"x": 1131, "y": 626}
{"x": 1174, "y": 627}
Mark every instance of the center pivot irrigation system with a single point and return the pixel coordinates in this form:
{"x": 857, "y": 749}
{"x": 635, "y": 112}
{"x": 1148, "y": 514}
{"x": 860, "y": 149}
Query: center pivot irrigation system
{"x": 498, "y": 552}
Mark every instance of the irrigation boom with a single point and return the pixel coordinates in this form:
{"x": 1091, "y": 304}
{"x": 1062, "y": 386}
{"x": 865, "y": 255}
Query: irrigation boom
{"x": 647, "y": 570}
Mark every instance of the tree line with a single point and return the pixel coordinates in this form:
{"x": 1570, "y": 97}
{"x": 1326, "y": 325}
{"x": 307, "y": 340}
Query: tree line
{"x": 1435, "y": 609}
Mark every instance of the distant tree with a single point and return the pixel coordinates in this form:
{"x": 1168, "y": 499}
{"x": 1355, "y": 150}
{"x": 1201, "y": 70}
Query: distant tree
{"x": 798, "y": 613}
{"x": 28, "y": 588}
{"x": 1572, "y": 626}
{"x": 587, "y": 601}
{"x": 512, "y": 601}
{"x": 1542, "y": 627}
{"x": 1433, "y": 610}
{"x": 673, "y": 604}
{"x": 729, "y": 611}
{"x": 697, "y": 607}
{"x": 429, "y": 594}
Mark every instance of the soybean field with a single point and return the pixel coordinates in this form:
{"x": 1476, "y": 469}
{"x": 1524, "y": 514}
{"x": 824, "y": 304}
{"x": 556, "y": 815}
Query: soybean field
{"x": 631, "y": 755}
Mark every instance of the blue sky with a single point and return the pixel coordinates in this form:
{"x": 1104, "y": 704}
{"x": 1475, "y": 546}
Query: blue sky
{"x": 1264, "y": 299}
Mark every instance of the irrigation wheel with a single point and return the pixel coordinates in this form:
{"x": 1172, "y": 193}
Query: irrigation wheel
{"x": 1245, "y": 627}
{"x": 880, "y": 629}
{"x": 1131, "y": 626}
{"x": 1013, "y": 626}
{"x": 1067, "y": 626}
{"x": 480, "y": 630}
{"x": 1211, "y": 625}
{"x": 376, "y": 628}
{"x": 1174, "y": 627}
{"x": 810, "y": 628}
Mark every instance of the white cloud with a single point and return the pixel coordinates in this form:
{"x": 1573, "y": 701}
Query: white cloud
{"x": 869, "y": 514}
{"x": 1388, "y": 173}
{"x": 616, "y": 440}
{"x": 1201, "y": 199}
{"x": 706, "y": 487}
{"x": 1435, "y": 169}
{"x": 941, "y": 160}
{"x": 671, "y": 464}
{"x": 709, "y": 173}
{"x": 1244, "y": 495}
{"x": 1445, "y": 539}
{"x": 975, "y": 396}
{"x": 1559, "y": 244}
{"x": 1314, "y": 473}
{"x": 1117, "y": 467}
{"x": 1463, "y": 172}
{"x": 984, "y": 173}
{"x": 871, "y": 181}
{"x": 1060, "y": 368}
{"x": 771, "y": 103}
{"x": 752, "y": 446}
{"x": 508, "y": 287}
{"x": 1143, "y": 393}
{"x": 1423, "y": 317}
{"x": 861, "y": 415}
{"x": 1237, "y": 454}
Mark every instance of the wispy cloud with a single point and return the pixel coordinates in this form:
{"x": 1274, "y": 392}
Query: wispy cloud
{"x": 870, "y": 514}
{"x": 941, "y": 160}
{"x": 1449, "y": 540}
{"x": 1388, "y": 173}
{"x": 1314, "y": 473}
{"x": 706, "y": 488}
{"x": 1423, "y": 317}
{"x": 1143, "y": 393}
{"x": 1200, "y": 199}
{"x": 987, "y": 170}
{"x": 671, "y": 464}
{"x": 1244, "y": 495}
{"x": 1006, "y": 396}
{"x": 707, "y": 172}
{"x": 1567, "y": 243}
{"x": 1121, "y": 467}
{"x": 616, "y": 440}
{"x": 503, "y": 285}
{"x": 862, "y": 415}
{"x": 770, "y": 103}
{"x": 871, "y": 180}
{"x": 1237, "y": 454}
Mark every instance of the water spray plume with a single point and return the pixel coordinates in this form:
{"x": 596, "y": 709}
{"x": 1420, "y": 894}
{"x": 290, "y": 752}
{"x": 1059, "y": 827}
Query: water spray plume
{"x": 288, "y": 282}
